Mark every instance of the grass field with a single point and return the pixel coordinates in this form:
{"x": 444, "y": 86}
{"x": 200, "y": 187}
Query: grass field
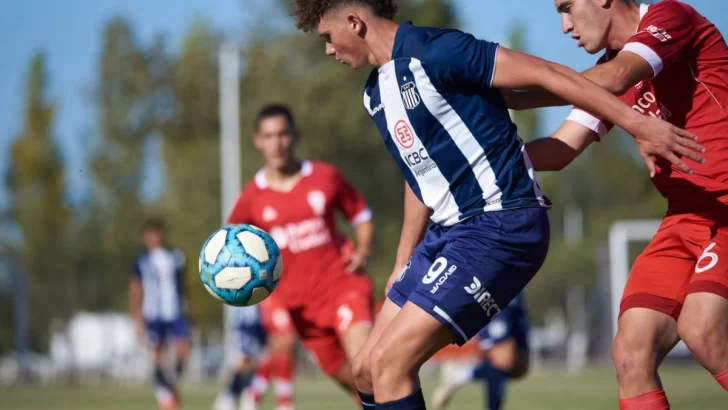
{"x": 689, "y": 388}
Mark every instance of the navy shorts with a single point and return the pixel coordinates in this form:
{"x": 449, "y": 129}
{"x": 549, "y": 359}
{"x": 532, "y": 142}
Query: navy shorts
{"x": 159, "y": 331}
{"x": 462, "y": 274}
{"x": 512, "y": 323}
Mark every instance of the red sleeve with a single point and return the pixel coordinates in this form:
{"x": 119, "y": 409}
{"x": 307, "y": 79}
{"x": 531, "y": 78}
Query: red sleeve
{"x": 241, "y": 212}
{"x": 351, "y": 201}
{"x": 665, "y": 33}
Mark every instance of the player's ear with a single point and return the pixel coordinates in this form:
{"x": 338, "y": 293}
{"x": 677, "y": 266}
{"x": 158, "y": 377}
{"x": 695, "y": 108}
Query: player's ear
{"x": 605, "y": 4}
{"x": 356, "y": 25}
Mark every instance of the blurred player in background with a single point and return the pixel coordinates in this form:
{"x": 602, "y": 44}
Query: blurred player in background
{"x": 666, "y": 61}
{"x": 504, "y": 346}
{"x": 434, "y": 96}
{"x": 324, "y": 287}
{"x": 252, "y": 328}
{"x": 158, "y": 304}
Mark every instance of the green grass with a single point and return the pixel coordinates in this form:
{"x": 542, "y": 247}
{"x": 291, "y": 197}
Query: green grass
{"x": 688, "y": 387}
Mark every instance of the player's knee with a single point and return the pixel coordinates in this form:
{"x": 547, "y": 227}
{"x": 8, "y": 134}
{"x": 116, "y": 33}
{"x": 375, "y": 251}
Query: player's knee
{"x": 361, "y": 369}
{"x": 382, "y": 363}
{"x": 632, "y": 355}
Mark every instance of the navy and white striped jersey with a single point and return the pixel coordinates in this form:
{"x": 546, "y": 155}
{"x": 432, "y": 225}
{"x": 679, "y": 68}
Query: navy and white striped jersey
{"x": 161, "y": 272}
{"x": 447, "y": 129}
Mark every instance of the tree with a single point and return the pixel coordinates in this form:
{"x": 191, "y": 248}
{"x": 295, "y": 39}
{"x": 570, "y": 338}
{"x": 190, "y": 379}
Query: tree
{"x": 190, "y": 151}
{"x": 130, "y": 100}
{"x": 37, "y": 207}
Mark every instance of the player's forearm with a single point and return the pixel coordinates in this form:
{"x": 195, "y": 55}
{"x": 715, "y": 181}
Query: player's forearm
{"x": 135, "y": 300}
{"x": 549, "y": 154}
{"x": 364, "y": 233}
{"x": 416, "y": 218}
{"x": 530, "y": 99}
{"x": 554, "y": 153}
{"x": 586, "y": 94}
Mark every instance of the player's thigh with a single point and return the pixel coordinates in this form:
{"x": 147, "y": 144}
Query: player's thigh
{"x": 485, "y": 263}
{"x": 644, "y": 337}
{"x": 703, "y": 324}
{"x": 180, "y": 330}
{"x": 409, "y": 340}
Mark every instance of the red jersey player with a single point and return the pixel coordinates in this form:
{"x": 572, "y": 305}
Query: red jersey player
{"x": 668, "y": 61}
{"x": 323, "y": 288}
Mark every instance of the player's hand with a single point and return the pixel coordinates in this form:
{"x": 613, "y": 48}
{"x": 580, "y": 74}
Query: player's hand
{"x": 658, "y": 137}
{"x": 398, "y": 268}
{"x": 357, "y": 262}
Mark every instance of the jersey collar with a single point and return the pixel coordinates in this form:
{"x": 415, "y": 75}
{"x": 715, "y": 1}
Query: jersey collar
{"x": 643, "y": 10}
{"x": 262, "y": 182}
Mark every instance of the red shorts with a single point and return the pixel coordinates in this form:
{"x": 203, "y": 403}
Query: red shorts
{"x": 321, "y": 325}
{"x": 274, "y": 316}
{"x": 688, "y": 254}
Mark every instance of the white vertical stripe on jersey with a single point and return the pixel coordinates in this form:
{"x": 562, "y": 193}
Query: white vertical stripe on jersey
{"x": 368, "y": 103}
{"x": 434, "y": 187}
{"x": 460, "y": 134}
{"x": 531, "y": 174}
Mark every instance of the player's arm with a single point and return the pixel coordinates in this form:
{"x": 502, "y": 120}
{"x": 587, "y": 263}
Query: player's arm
{"x": 517, "y": 70}
{"x": 519, "y": 100}
{"x": 364, "y": 234}
{"x": 136, "y": 292}
{"x": 555, "y": 152}
{"x": 353, "y": 205}
{"x": 416, "y": 219}
{"x": 616, "y": 76}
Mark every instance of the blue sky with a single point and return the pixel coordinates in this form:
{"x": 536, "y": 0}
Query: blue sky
{"x": 70, "y": 33}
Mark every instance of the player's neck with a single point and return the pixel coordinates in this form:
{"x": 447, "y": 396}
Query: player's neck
{"x": 282, "y": 179}
{"x": 625, "y": 20}
{"x": 380, "y": 41}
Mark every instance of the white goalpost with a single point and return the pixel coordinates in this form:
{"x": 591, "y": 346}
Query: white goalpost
{"x": 230, "y": 155}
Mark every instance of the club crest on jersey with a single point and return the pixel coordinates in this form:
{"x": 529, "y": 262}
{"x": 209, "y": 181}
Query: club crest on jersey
{"x": 269, "y": 214}
{"x": 409, "y": 95}
{"x": 317, "y": 202}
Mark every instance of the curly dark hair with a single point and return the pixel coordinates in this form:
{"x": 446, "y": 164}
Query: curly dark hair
{"x": 308, "y": 13}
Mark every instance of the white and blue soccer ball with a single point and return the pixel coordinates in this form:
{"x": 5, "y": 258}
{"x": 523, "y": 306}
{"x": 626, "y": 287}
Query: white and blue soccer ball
{"x": 240, "y": 265}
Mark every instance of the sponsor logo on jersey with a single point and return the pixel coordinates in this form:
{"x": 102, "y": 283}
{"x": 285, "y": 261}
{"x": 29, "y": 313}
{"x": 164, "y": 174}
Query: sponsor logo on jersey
{"x": 658, "y": 33}
{"x": 403, "y": 134}
{"x": 378, "y": 108}
{"x": 484, "y": 298}
{"x": 301, "y": 236}
{"x": 647, "y": 104}
{"x": 410, "y": 98}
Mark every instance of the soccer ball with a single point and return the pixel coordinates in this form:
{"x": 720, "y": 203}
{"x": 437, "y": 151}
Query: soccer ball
{"x": 240, "y": 265}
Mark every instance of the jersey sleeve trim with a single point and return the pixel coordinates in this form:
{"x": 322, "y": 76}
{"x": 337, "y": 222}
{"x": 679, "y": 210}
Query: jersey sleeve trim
{"x": 589, "y": 121}
{"x": 364, "y": 216}
{"x": 495, "y": 61}
{"x": 648, "y": 54}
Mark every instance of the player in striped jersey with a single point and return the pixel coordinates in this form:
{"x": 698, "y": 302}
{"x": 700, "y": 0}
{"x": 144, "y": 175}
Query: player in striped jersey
{"x": 158, "y": 302}
{"x": 434, "y": 97}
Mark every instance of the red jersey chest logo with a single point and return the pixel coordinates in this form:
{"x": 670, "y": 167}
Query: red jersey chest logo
{"x": 298, "y": 223}
{"x": 644, "y": 100}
